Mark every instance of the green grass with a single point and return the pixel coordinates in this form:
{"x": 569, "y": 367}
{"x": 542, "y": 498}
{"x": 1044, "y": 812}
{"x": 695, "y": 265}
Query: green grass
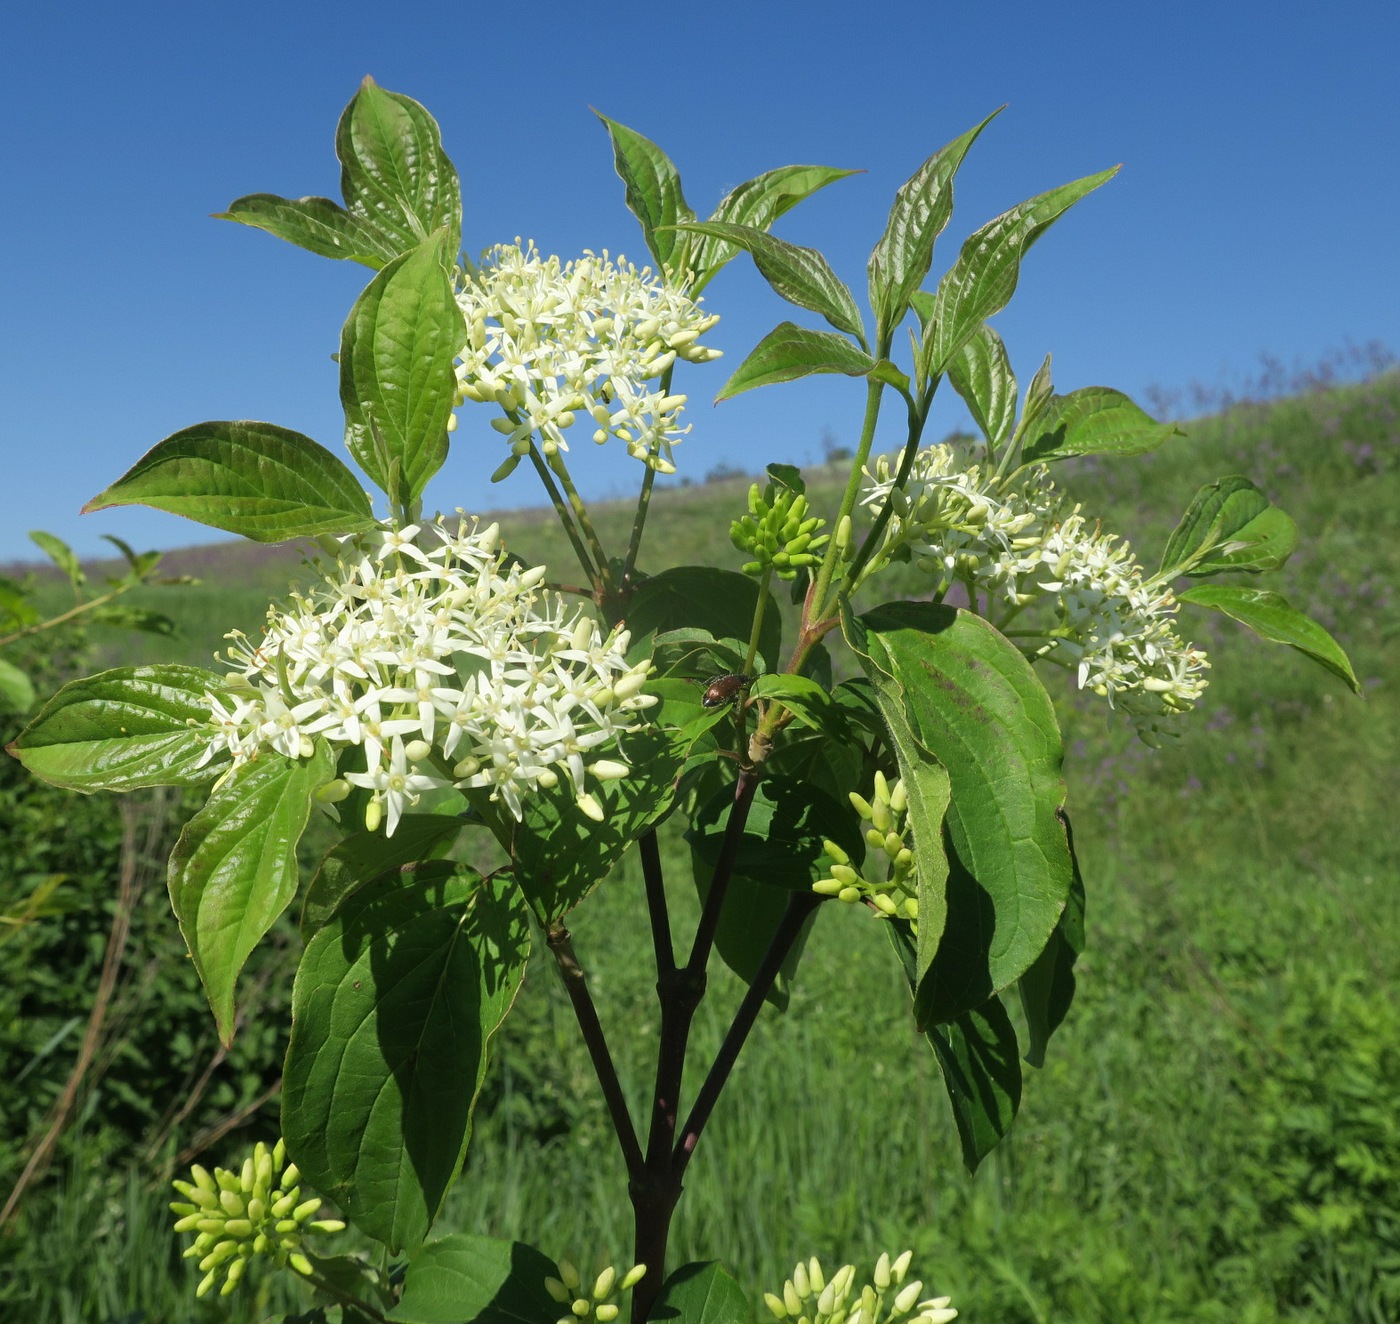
{"x": 1213, "y": 1137}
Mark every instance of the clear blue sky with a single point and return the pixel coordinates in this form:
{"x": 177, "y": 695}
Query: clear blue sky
{"x": 1256, "y": 211}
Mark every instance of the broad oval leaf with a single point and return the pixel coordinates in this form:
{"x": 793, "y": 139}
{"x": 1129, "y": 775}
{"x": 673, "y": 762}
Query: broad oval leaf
{"x": 983, "y": 279}
{"x": 1047, "y": 988}
{"x": 487, "y": 1280}
{"x": 1095, "y": 420}
{"x": 976, "y": 1054}
{"x": 561, "y": 854}
{"x": 1271, "y": 617}
{"x": 654, "y": 194}
{"x": 394, "y": 175}
{"x": 722, "y": 602}
{"x": 124, "y": 729}
{"x": 963, "y": 694}
{"x": 234, "y": 869}
{"x": 1229, "y": 525}
{"x": 363, "y": 855}
{"x": 393, "y": 1009}
{"x": 981, "y": 374}
{"x": 781, "y": 846}
{"x": 701, "y": 1294}
{"x": 759, "y": 202}
{"x": 790, "y": 351}
{"x": 319, "y": 225}
{"x": 902, "y": 257}
{"x": 799, "y": 275}
{"x": 397, "y": 380}
{"x": 258, "y": 480}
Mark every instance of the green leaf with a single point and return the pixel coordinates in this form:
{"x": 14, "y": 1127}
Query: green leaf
{"x": 139, "y": 565}
{"x": 982, "y": 1074}
{"x": 904, "y": 254}
{"x": 127, "y": 617}
{"x": 722, "y": 602}
{"x": 1229, "y": 525}
{"x": 781, "y": 851}
{"x": 955, "y": 690}
{"x": 319, "y": 225}
{"x": 397, "y": 380}
{"x": 758, "y": 203}
{"x": 929, "y": 790}
{"x": 16, "y": 689}
{"x": 983, "y": 279}
{"x": 394, "y": 175}
{"x": 258, "y": 480}
{"x": 1047, "y": 988}
{"x": 124, "y": 729}
{"x": 1038, "y": 394}
{"x": 799, "y": 275}
{"x": 781, "y": 845}
{"x": 393, "y": 1009}
{"x": 981, "y": 374}
{"x": 748, "y": 921}
{"x": 365, "y": 855}
{"x": 1094, "y": 420}
{"x": 561, "y": 854}
{"x": 1270, "y": 616}
{"x": 483, "y": 1279}
{"x": 812, "y": 705}
{"x": 976, "y": 1053}
{"x": 654, "y": 194}
{"x": 234, "y": 869}
{"x": 61, "y": 554}
{"x": 701, "y": 1294}
{"x": 788, "y": 352}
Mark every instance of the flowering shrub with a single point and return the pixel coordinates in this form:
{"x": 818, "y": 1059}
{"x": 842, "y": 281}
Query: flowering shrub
{"x": 431, "y": 687}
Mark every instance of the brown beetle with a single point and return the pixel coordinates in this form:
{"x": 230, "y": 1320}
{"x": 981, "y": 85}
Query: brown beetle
{"x": 725, "y": 689}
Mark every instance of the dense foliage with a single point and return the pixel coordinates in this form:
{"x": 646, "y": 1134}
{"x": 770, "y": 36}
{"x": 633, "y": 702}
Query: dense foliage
{"x": 947, "y": 730}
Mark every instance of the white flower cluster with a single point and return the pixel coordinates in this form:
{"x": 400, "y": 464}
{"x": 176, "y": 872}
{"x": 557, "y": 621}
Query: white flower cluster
{"x": 1017, "y": 542}
{"x": 444, "y": 665}
{"x": 551, "y": 343}
{"x": 808, "y": 1298}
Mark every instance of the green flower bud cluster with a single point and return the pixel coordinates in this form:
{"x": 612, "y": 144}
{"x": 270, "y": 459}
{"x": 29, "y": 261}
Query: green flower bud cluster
{"x": 778, "y": 532}
{"x": 599, "y": 1303}
{"x": 895, "y": 895}
{"x": 255, "y": 1211}
{"x": 808, "y": 1297}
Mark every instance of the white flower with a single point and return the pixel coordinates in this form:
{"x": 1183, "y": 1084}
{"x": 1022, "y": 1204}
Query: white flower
{"x": 395, "y": 786}
{"x": 442, "y": 666}
{"x": 1015, "y": 542}
{"x": 552, "y": 345}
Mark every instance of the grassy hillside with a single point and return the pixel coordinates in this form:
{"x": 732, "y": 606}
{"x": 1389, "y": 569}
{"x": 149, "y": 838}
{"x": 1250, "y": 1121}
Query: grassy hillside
{"x": 1213, "y": 1137}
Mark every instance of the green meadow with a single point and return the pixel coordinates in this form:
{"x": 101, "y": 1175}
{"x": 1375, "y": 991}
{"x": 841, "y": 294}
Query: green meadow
{"x": 1214, "y": 1136}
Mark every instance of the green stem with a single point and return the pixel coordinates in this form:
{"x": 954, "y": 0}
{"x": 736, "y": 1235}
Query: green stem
{"x": 580, "y": 511}
{"x": 758, "y": 613}
{"x": 562, "y": 510}
{"x": 634, "y": 543}
{"x": 917, "y": 417}
{"x": 66, "y": 616}
{"x": 873, "y": 391}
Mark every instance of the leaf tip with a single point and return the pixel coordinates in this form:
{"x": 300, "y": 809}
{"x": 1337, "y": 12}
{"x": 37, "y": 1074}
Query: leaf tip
{"x": 367, "y": 81}
{"x": 97, "y": 503}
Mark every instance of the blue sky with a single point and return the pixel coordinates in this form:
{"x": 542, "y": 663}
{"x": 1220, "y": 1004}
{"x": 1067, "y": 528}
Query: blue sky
{"x": 1255, "y": 213}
